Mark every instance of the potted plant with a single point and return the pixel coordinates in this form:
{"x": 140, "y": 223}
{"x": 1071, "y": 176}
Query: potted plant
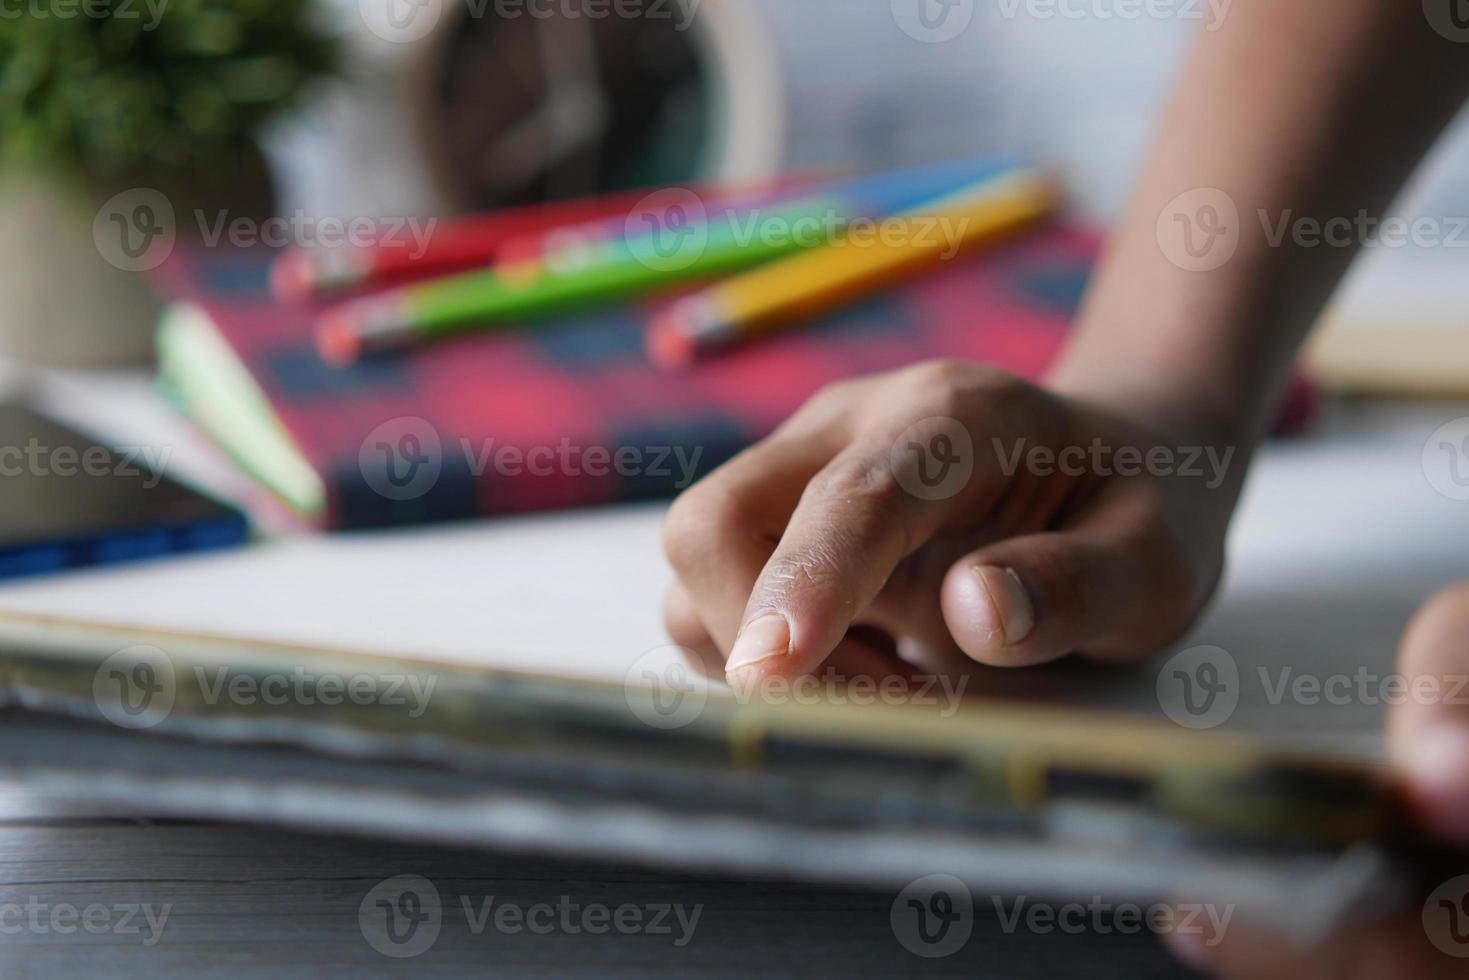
{"x": 121, "y": 123}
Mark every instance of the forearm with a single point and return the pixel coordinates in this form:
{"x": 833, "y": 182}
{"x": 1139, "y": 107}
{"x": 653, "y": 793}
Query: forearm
{"x": 1291, "y": 109}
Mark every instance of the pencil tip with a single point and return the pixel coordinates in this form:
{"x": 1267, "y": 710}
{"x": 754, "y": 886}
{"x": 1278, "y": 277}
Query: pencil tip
{"x": 291, "y": 276}
{"x": 669, "y": 346}
{"x": 337, "y": 339}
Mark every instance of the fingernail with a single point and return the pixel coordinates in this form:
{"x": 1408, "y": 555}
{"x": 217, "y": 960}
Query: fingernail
{"x": 763, "y": 639}
{"x": 1438, "y": 765}
{"x": 1008, "y": 615}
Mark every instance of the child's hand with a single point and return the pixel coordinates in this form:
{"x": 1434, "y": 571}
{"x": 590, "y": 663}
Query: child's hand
{"x": 1430, "y": 743}
{"x": 912, "y": 502}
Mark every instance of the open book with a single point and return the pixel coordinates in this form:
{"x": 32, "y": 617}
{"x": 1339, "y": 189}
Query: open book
{"x": 668, "y": 770}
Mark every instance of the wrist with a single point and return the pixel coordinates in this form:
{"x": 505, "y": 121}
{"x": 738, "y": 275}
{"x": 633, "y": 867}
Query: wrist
{"x": 1181, "y": 404}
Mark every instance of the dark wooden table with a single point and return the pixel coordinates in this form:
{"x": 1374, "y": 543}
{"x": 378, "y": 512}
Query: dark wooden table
{"x": 252, "y": 901}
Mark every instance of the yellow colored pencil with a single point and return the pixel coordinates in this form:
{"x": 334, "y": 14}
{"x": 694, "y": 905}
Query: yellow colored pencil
{"x": 867, "y": 259}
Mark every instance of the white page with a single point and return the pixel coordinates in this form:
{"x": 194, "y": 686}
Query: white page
{"x": 1339, "y": 537}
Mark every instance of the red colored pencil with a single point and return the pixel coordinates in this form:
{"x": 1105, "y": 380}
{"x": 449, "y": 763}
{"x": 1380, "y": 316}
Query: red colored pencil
{"x": 453, "y": 245}
{"x": 459, "y": 244}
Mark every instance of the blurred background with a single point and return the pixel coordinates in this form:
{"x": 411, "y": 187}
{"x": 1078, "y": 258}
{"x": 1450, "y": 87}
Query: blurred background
{"x": 436, "y": 107}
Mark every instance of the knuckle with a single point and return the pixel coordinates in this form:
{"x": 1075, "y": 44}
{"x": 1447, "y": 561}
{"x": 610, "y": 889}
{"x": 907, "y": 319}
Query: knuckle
{"x": 865, "y": 483}
{"x": 692, "y": 523}
{"x": 941, "y": 372}
{"x": 952, "y": 373}
{"x": 681, "y": 623}
{"x": 833, "y": 395}
{"x": 954, "y": 388}
{"x": 830, "y": 403}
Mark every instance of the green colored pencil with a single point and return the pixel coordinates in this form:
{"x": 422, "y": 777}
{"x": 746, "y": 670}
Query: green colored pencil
{"x": 680, "y": 245}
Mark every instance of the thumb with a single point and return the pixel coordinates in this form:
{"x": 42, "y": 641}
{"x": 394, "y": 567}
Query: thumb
{"x": 1109, "y": 594}
{"x": 1429, "y": 729}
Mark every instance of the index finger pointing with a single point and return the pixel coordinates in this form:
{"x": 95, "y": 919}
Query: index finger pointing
{"x": 855, "y": 522}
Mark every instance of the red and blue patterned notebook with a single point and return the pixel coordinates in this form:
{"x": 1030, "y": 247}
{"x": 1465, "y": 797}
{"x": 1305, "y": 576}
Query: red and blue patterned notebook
{"x": 570, "y": 413}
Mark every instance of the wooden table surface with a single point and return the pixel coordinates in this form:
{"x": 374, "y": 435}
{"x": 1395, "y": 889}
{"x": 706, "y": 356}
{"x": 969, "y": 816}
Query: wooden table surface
{"x": 250, "y": 901}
